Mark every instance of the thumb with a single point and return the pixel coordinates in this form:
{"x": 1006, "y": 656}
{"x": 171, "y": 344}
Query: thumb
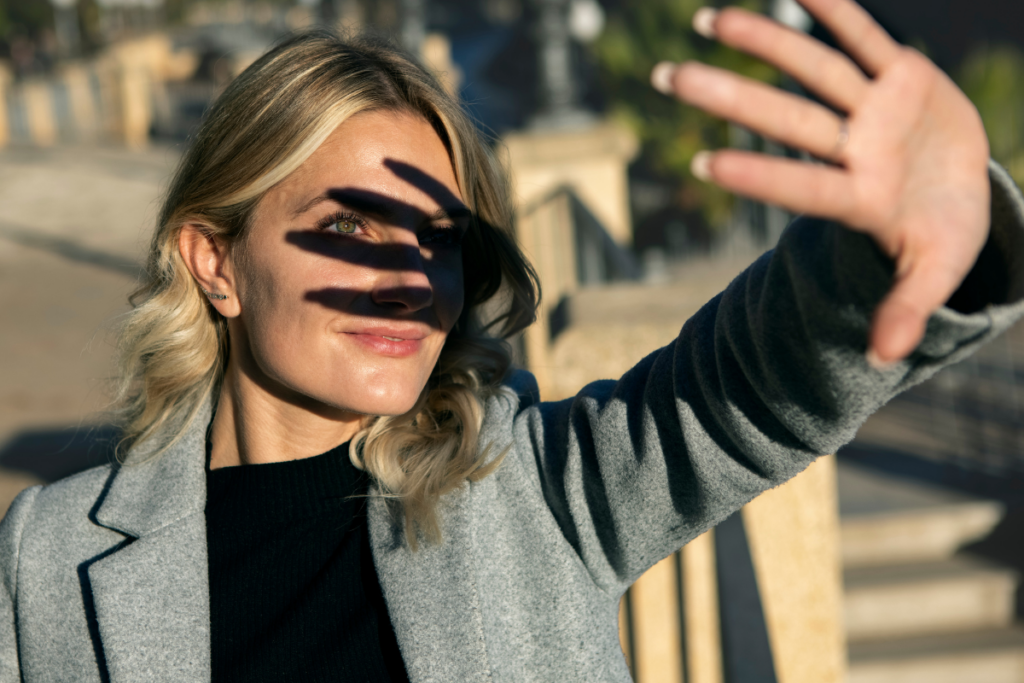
{"x": 899, "y": 321}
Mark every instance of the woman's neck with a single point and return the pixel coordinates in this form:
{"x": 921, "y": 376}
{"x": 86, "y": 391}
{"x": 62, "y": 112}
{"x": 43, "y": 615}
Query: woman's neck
{"x": 253, "y": 425}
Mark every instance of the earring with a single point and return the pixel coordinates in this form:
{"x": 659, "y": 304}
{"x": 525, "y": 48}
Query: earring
{"x": 218, "y": 297}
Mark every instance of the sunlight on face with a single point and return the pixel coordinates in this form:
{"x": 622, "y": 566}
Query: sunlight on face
{"x": 350, "y": 276}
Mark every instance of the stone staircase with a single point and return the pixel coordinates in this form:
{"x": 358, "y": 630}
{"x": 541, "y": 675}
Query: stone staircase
{"x": 916, "y": 610}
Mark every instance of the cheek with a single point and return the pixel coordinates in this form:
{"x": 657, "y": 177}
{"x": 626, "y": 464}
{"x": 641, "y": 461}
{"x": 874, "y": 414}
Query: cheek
{"x": 449, "y": 295}
{"x": 287, "y": 303}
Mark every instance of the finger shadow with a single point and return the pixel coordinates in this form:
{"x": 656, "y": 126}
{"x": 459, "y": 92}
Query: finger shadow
{"x": 345, "y": 300}
{"x": 479, "y": 282}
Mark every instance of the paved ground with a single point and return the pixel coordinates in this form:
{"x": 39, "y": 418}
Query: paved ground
{"x": 72, "y": 226}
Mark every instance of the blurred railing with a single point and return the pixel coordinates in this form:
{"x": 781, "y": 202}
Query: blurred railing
{"x": 119, "y": 97}
{"x": 570, "y": 249}
{"x": 699, "y": 616}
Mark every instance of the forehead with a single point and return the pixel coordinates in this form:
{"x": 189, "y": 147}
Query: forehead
{"x": 394, "y": 154}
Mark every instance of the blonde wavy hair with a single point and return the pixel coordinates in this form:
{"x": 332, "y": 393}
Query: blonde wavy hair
{"x": 269, "y": 120}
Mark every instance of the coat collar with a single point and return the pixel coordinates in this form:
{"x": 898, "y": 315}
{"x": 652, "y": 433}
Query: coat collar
{"x": 150, "y": 594}
{"x": 148, "y": 493}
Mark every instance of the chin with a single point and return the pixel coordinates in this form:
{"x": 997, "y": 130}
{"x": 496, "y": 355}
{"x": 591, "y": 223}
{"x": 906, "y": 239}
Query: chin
{"x": 385, "y": 402}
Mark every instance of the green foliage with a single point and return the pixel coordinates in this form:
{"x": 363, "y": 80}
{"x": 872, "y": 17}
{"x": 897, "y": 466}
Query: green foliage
{"x": 638, "y": 35}
{"x": 993, "y": 78}
{"x": 27, "y": 17}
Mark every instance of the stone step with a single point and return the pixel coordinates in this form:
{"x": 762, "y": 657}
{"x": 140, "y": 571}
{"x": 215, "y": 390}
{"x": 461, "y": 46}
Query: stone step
{"x": 954, "y": 595}
{"x": 887, "y": 519}
{"x": 988, "y": 656}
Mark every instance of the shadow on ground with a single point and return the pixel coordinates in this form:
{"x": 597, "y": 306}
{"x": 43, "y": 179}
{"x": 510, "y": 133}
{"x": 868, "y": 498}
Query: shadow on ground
{"x": 52, "y": 454}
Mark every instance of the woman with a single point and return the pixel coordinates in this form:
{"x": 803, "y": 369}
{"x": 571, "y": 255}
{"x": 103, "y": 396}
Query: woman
{"x": 318, "y": 283}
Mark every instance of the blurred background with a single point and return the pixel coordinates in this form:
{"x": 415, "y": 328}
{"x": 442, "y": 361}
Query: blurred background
{"x": 898, "y": 560}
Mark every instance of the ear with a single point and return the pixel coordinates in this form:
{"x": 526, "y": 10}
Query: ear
{"x": 208, "y": 258}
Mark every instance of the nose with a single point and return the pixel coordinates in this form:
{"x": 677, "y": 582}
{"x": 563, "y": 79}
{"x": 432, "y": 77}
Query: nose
{"x": 402, "y": 282}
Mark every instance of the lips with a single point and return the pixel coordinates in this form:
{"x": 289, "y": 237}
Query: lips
{"x": 390, "y": 340}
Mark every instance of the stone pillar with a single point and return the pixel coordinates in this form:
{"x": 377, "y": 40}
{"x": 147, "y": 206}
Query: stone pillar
{"x": 700, "y": 604}
{"x": 436, "y": 54}
{"x": 136, "y": 109}
{"x": 42, "y": 121}
{"x": 5, "y": 123}
{"x": 544, "y": 231}
{"x": 81, "y": 101}
{"x": 657, "y": 636}
{"x": 665, "y": 643}
{"x": 591, "y": 160}
{"x": 794, "y": 542}
{"x": 107, "y": 75}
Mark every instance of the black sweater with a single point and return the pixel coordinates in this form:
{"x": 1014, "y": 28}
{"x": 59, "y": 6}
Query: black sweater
{"x": 294, "y": 595}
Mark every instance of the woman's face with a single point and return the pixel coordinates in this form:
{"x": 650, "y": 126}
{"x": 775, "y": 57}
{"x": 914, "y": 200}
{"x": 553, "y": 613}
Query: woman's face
{"x": 350, "y": 276}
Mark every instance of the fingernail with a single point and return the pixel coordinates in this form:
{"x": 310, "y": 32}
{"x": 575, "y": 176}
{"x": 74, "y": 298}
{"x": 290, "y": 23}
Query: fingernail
{"x": 700, "y": 167}
{"x": 704, "y": 22}
{"x": 876, "y": 362}
{"x": 661, "y": 77}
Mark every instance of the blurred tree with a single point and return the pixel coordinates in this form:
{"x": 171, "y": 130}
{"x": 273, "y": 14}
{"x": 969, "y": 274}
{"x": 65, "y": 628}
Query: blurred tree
{"x": 638, "y": 35}
{"x": 26, "y": 35}
{"x": 25, "y": 17}
{"x": 993, "y": 77}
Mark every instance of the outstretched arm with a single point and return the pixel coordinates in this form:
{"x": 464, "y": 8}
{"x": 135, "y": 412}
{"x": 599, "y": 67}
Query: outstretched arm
{"x": 775, "y": 371}
{"x": 909, "y": 149}
{"x": 766, "y": 377}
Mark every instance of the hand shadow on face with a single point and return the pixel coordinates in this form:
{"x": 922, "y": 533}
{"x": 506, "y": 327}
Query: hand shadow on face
{"x": 394, "y": 257}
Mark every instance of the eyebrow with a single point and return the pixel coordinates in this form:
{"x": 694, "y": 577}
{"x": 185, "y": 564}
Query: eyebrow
{"x": 378, "y": 205}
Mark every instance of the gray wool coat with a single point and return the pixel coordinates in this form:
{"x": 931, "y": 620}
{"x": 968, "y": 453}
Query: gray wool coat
{"x": 103, "y": 576}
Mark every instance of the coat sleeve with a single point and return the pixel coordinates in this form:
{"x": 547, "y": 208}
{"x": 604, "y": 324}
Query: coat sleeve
{"x": 767, "y": 376}
{"x": 11, "y": 529}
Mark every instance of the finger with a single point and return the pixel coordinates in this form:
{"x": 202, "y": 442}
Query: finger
{"x": 827, "y": 72}
{"x": 781, "y": 116}
{"x": 899, "y": 322}
{"x": 798, "y": 186}
{"x": 857, "y": 32}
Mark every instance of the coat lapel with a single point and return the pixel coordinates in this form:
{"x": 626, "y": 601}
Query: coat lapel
{"x": 432, "y": 595}
{"x": 151, "y": 594}
{"x": 152, "y": 606}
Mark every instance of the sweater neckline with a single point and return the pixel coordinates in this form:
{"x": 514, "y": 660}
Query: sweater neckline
{"x": 280, "y": 491}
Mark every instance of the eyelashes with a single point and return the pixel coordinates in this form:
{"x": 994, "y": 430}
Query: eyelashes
{"x": 351, "y": 224}
{"x": 349, "y": 221}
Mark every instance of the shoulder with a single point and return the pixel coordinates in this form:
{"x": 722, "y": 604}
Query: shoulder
{"x": 517, "y": 392}
{"x": 73, "y": 497}
{"x": 523, "y": 385}
{"x": 54, "y": 520}
{"x": 66, "y": 498}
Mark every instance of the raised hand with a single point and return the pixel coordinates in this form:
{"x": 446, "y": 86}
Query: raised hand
{"x": 910, "y": 153}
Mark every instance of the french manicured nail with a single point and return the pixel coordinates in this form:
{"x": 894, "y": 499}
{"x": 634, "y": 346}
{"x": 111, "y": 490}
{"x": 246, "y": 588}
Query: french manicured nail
{"x": 661, "y": 77}
{"x": 875, "y": 361}
{"x": 700, "y": 167}
{"x": 704, "y": 22}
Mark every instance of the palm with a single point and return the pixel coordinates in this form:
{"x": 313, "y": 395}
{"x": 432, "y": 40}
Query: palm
{"x": 907, "y": 163}
{"x": 912, "y": 174}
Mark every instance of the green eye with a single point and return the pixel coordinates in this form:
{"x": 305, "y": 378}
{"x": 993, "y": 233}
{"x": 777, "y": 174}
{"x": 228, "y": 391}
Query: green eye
{"x": 342, "y": 223}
